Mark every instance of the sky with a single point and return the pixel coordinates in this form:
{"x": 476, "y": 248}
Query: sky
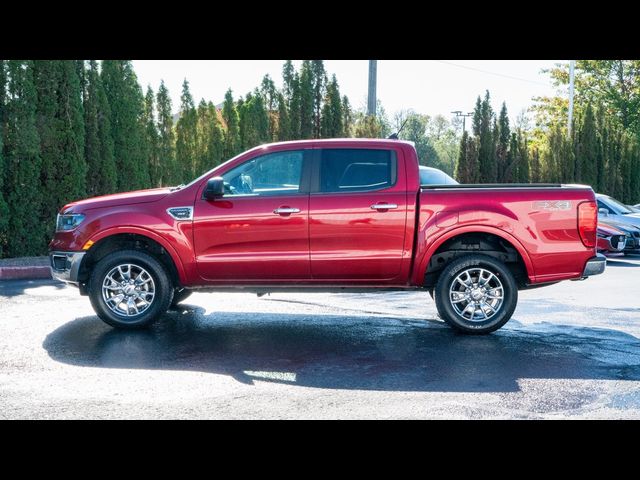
{"x": 427, "y": 86}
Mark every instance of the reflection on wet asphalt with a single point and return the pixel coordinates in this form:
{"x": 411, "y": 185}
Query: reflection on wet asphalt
{"x": 571, "y": 350}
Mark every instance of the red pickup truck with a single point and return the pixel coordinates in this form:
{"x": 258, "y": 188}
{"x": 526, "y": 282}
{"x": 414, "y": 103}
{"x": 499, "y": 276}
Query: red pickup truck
{"x": 326, "y": 215}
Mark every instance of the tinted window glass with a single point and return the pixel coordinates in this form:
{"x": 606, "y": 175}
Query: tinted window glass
{"x": 349, "y": 170}
{"x": 602, "y": 205}
{"x": 273, "y": 174}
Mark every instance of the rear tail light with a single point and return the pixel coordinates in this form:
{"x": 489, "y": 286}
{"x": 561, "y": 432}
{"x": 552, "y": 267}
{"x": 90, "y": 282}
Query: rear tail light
{"x": 588, "y": 223}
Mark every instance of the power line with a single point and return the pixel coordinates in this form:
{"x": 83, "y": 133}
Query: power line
{"x": 492, "y": 73}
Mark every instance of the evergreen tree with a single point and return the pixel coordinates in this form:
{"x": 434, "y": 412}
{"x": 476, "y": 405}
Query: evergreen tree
{"x": 202, "y": 137}
{"x": 536, "y": 170}
{"x": 556, "y": 157}
{"x": 601, "y": 155}
{"x": 288, "y": 79}
{"x": 253, "y": 121}
{"x": 169, "y": 174}
{"x": 4, "y": 210}
{"x": 634, "y": 168}
{"x": 126, "y": 103}
{"x": 467, "y": 165}
{"x": 587, "y": 150}
{"x": 269, "y": 94}
{"x": 186, "y": 135}
{"x": 60, "y": 123}
{"x": 295, "y": 119}
{"x": 347, "y": 117}
{"x": 524, "y": 172}
{"x": 483, "y": 122}
{"x": 291, "y": 94}
{"x": 230, "y": 116}
{"x": 612, "y": 155}
{"x": 512, "y": 162}
{"x": 284, "y": 125}
{"x": 22, "y": 162}
{"x": 98, "y": 145}
{"x": 477, "y": 117}
{"x": 210, "y": 140}
{"x": 332, "y": 125}
{"x": 319, "y": 82}
{"x": 216, "y": 139}
{"x": 306, "y": 85}
{"x": 152, "y": 138}
{"x": 503, "y": 157}
{"x": 462, "y": 169}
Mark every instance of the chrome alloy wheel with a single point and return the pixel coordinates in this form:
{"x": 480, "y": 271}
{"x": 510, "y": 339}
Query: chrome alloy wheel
{"x": 128, "y": 290}
{"x": 476, "y": 294}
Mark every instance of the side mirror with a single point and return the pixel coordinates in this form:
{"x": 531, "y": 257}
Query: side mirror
{"x": 603, "y": 211}
{"x": 215, "y": 188}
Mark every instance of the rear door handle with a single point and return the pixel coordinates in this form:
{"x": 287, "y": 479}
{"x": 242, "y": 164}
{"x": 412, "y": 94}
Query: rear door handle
{"x": 286, "y": 211}
{"x": 383, "y": 206}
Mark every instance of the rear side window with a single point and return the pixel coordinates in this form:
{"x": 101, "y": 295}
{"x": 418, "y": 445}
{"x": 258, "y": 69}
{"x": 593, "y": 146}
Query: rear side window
{"x": 354, "y": 170}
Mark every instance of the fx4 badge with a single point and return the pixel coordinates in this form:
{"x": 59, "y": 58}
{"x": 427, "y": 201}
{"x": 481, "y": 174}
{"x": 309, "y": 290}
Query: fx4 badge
{"x": 552, "y": 205}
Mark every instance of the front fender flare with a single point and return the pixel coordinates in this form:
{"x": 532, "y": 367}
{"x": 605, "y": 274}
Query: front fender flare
{"x": 145, "y": 233}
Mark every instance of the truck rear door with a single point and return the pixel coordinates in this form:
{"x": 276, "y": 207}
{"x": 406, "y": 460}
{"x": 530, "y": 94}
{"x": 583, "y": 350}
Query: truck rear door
{"x": 357, "y": 214}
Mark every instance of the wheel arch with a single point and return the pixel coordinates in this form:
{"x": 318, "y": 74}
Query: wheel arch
{"x": 134, "y": 238}
{"x": 491, "y": 235}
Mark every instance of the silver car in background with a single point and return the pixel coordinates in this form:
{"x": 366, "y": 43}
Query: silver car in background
{"x": 611, "y": 209}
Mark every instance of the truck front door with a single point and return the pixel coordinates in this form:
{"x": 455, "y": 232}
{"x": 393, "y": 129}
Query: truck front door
{"x": 259, "y": 229}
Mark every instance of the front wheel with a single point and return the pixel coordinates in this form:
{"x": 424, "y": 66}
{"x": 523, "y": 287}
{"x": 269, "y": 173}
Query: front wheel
{"x": 476, "y": 294}
{"x": 130, "y": 289}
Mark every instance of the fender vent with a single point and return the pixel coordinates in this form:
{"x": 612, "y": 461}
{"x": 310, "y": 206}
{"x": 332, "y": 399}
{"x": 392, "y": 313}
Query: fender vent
{"x": 181, "y": 213}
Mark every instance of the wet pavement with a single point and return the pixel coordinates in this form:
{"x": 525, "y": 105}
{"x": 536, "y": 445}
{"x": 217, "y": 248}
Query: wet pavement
{"x": 571, "y": 350}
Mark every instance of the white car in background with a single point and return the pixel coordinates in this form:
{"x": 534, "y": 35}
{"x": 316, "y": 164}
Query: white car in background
{"x": 434, "y": 176}
{"x": 611, "y": 209}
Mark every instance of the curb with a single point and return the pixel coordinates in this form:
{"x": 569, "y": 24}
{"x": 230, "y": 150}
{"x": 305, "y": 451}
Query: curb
{"x": 14, "y": 273}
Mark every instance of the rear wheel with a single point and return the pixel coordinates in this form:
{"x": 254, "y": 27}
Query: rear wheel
{"x": 476, "y": 294}
{"x": 130, "y": 289}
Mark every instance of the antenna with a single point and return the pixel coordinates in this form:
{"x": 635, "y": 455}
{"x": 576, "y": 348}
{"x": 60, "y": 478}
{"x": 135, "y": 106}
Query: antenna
{"x": 394, "y": 136}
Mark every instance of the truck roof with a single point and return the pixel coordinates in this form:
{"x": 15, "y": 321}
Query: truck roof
{"x": 352, "y": 142}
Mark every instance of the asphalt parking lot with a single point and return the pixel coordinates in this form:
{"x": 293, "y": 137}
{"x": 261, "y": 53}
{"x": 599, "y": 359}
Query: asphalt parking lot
{"x": 571, "y": 350}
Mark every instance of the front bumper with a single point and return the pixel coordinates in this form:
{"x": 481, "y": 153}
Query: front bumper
{"x": 65, "y": 266}
{"x": 595, "y": 265}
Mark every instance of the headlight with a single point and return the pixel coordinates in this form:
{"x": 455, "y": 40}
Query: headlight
{"x": 68, "y": 221}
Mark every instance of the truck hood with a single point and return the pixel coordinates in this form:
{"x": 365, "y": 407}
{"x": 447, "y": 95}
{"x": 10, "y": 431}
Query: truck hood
{"x": 126, "y": 198}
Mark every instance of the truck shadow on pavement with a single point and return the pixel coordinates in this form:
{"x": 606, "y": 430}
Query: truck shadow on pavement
{"x": 349, "y": 352}
{"x": 15, "y": 288}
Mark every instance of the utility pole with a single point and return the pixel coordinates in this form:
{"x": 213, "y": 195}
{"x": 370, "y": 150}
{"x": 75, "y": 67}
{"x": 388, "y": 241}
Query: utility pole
{"x": 464, "y": 118}
{"x": 572, "y": 68}
{"x": 373, "y": 74}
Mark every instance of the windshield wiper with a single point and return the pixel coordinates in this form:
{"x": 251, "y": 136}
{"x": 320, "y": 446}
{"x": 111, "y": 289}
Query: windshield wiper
{"x": 173, "y": 189}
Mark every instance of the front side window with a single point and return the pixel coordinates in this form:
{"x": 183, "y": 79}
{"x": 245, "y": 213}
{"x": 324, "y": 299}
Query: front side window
{"x": 353, "y": 170}
{"x": 276, "y": 173}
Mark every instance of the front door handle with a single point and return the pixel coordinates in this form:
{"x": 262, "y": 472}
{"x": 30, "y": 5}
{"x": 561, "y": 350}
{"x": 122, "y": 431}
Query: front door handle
{"x": 286, "y": 211}
{"x": 383, "y": 206}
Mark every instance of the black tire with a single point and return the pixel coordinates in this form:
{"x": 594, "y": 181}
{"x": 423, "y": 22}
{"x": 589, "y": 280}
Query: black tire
{"x": 445, "y": 306}
{"x": 180, "y": 296}
{"x": 163, "y": 289}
